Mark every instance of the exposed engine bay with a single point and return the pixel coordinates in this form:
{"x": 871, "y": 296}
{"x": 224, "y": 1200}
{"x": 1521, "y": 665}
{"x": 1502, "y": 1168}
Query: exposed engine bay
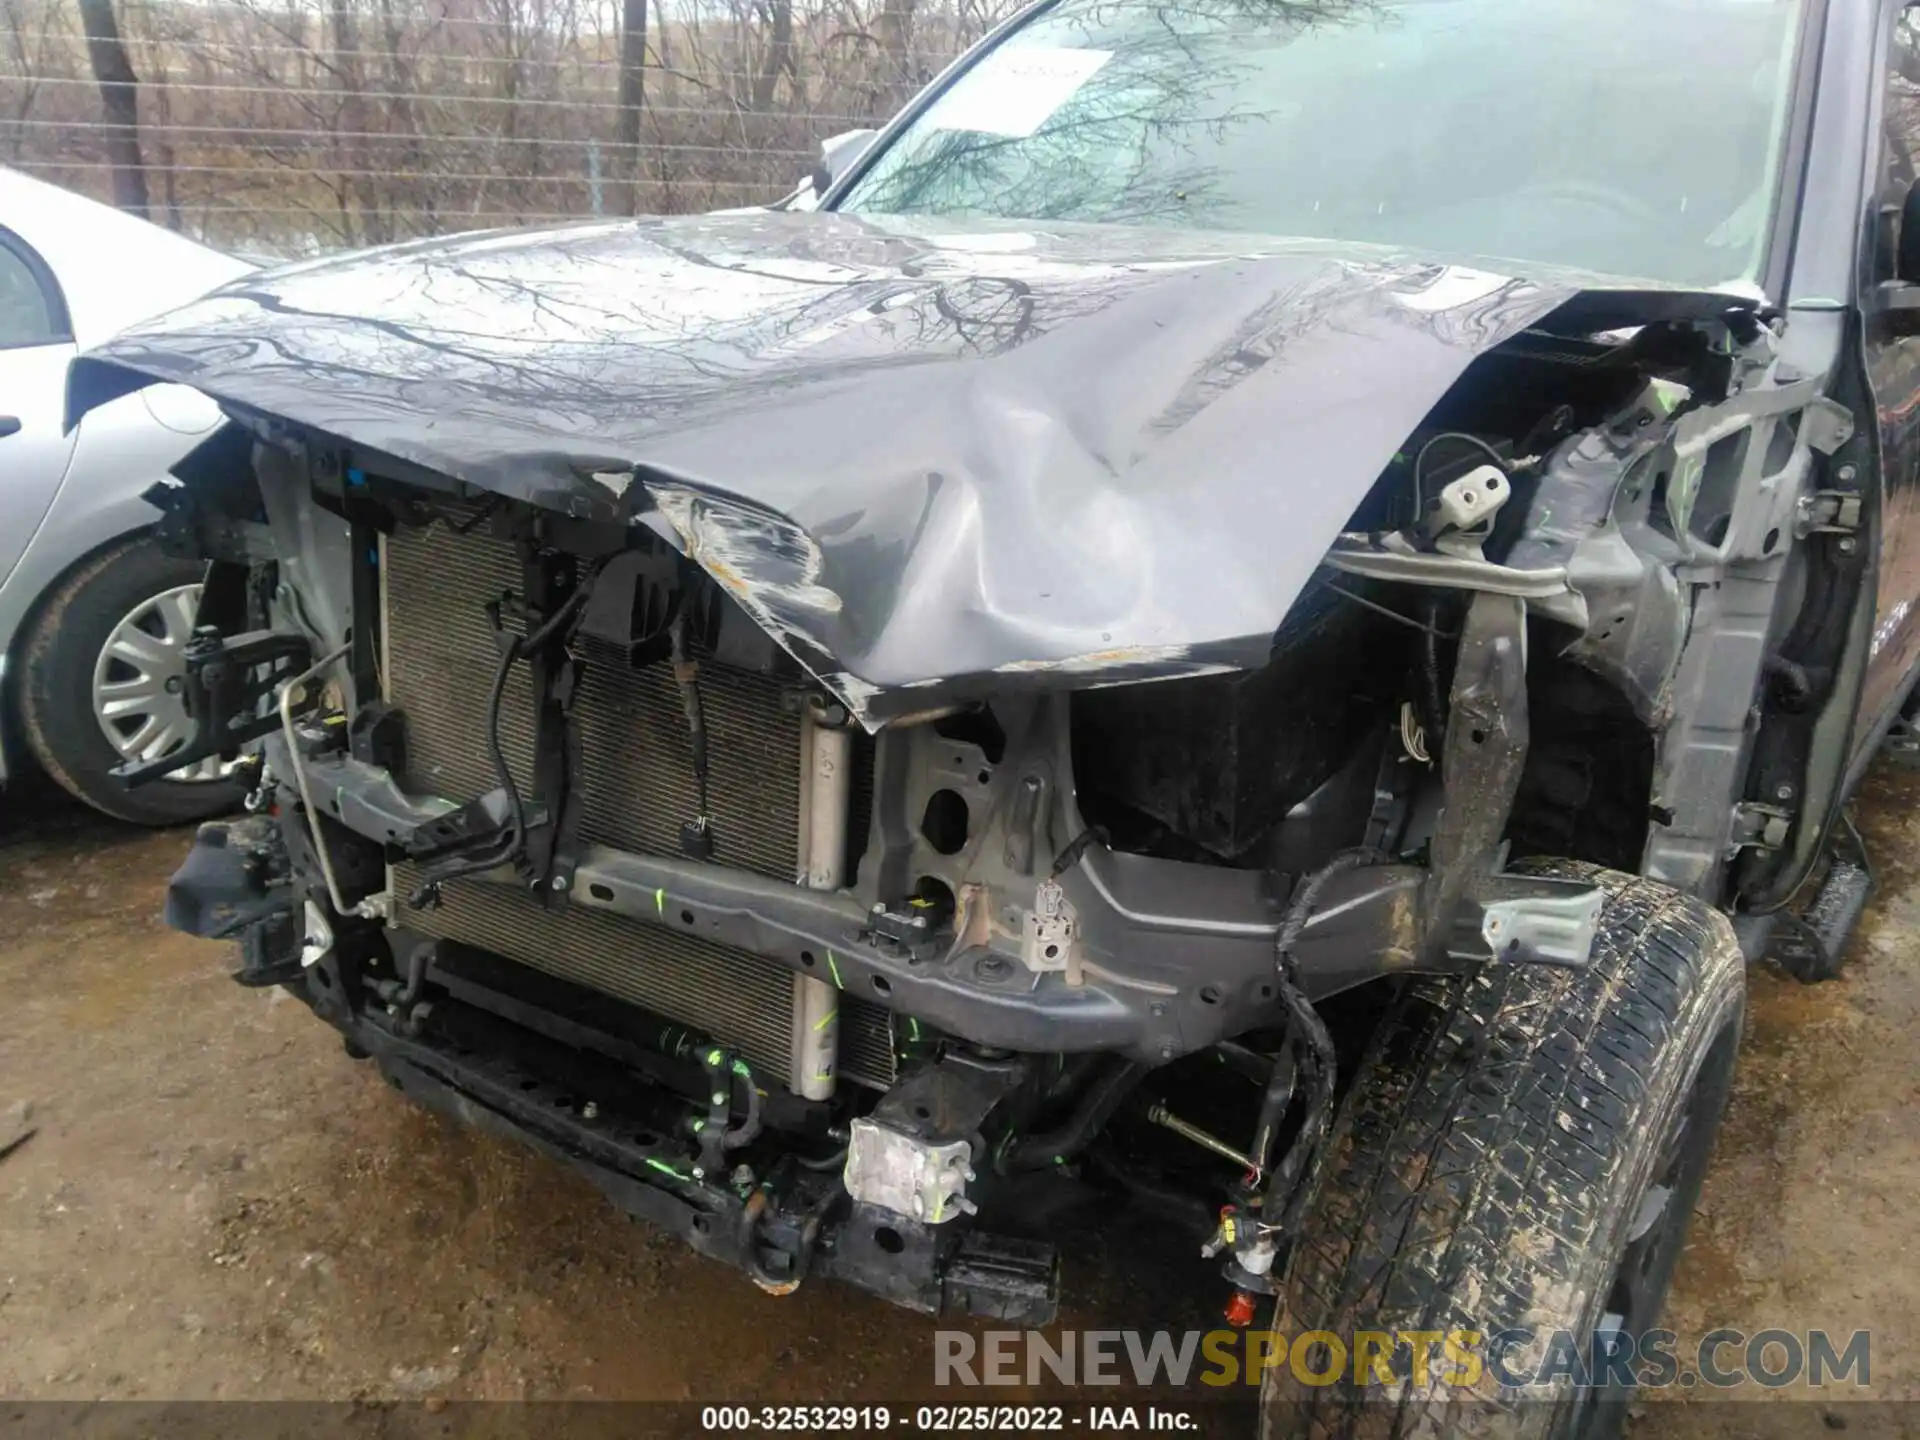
{"x": 606, "y": 814}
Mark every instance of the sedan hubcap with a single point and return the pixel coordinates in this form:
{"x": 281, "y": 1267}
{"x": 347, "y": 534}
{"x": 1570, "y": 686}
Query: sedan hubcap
{"x": 140, "y": 679}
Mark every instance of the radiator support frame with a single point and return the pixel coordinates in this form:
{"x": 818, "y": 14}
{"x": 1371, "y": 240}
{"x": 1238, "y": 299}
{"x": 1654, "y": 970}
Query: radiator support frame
{"x": 1367, "y": 912}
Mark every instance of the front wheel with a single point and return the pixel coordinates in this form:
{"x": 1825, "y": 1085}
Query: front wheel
{"x": 1517, "y": 1158}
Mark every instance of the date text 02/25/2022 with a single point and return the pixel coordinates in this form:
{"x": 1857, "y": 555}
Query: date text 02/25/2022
{"x": 943, "y": 1419}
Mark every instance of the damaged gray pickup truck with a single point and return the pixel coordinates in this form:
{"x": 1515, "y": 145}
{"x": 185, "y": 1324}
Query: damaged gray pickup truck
{"x": 1254, "y": 614}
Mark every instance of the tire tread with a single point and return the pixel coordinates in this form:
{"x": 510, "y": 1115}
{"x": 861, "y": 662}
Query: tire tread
{"x": 1469, "y": 1177}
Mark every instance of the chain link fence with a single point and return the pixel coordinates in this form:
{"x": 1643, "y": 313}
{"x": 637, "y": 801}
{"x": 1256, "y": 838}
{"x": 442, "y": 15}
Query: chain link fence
{"x": 287, "y": 127}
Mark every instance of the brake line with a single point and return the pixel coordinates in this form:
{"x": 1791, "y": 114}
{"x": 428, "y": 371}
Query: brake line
{"x": 366, "y": 908}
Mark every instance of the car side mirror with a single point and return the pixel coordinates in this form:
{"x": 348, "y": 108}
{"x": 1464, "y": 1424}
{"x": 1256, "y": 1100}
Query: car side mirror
{"x": 837, "y": 156}
{"x": 1897, "y": 299}
{"x": 1906, "y": 263}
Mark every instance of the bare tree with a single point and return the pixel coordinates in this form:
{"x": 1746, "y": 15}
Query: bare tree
{"x": 35, "y": 48}
{"x": 293, "y": 126}
{"x": 119, "y": 103}
{"x": 894, "y": 30}
{"x": 632, "y": 99}
{"x": 779, "y": 54}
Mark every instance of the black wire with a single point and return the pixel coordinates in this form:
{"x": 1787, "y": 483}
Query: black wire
{"x": 512, "y": 840}
{"x": 473, "y": 521}
{"x": 554, "y": 621}
{"x": 514, "y": 651}
{"x": 426, "y": 895}
{"x": 494, "y": 750}
{"x": 1391, "y": 614}
{"x": 748, "y": 1130}
{"x": 1091, "y": 1112}
{"x": 1075, "y": 848}
{"x": 1280, "y": 1206}
{"x": 1275, "y": 1096}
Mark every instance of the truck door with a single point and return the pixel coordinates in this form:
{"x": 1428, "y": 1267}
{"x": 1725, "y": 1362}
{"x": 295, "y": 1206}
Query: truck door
{"x": 1893, "y": 373}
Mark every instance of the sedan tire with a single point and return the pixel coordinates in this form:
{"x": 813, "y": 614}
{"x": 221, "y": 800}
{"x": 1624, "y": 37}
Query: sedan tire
{"x": 100, "y": 685}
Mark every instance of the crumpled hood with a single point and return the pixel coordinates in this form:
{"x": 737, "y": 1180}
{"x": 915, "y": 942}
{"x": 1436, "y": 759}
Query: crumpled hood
{"x": 929, "y": 457}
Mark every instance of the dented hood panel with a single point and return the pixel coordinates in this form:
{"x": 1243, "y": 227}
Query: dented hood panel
{"x": 932, "y": 459}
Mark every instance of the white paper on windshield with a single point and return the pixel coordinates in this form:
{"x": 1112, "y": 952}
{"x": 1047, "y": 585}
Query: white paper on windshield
{"x": 1013, "y": 90}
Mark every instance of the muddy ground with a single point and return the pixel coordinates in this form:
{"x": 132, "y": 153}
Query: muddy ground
{"x": 218, "y": 1204}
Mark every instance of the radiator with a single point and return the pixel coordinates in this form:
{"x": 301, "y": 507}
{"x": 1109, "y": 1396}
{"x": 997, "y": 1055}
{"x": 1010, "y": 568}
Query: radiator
{"x": 637, "y": 770}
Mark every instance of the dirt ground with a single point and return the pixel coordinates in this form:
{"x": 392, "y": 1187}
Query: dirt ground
{"x": 218, "y": 1204}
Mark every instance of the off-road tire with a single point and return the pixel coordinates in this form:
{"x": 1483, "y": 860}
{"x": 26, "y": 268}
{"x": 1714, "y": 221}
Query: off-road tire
{"x": 1493, "y": 1153}
{"x": 55, "y": 690}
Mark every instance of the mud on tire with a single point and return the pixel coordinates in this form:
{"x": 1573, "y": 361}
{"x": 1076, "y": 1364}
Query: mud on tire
{"x": 1492, "y": 1157}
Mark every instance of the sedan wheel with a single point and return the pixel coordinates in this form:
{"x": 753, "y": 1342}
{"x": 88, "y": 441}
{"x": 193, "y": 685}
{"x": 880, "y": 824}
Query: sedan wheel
{"x": 101, "y": 684}
{"x": 139, "y": 683}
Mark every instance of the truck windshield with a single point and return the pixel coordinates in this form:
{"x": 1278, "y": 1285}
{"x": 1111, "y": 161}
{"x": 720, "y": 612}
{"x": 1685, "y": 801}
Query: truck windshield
{"x": 1633, "y": 138}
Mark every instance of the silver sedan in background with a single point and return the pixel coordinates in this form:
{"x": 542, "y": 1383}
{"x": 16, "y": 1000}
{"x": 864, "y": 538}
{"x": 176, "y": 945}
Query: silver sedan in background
{"x": 92, "y": 615}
